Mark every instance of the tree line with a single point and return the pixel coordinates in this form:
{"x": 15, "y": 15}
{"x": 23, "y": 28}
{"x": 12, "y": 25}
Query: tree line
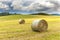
{"x": 7, "y": 13}
{"x": 39, "y": 14}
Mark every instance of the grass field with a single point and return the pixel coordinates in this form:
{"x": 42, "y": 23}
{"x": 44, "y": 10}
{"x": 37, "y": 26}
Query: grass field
{"x": 10, "y": 29}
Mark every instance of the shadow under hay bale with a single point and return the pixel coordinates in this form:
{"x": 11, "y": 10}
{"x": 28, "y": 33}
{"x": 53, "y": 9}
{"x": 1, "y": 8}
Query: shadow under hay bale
{"x": 39, "y": 25}
{"x": 21, "y": 21}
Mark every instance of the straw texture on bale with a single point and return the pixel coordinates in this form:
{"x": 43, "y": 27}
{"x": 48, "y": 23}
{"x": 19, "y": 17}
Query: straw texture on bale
{"x": 39, "y": 25}
{"x": 21, "y": 21}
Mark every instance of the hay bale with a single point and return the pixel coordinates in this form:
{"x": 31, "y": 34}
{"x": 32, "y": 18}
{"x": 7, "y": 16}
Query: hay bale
{"x": 39, "y": 25}
{"x": 21, "y": 21}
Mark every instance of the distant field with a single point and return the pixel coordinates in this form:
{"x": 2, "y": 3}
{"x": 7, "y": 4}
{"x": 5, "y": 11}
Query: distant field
{"x": 10, "y": 29}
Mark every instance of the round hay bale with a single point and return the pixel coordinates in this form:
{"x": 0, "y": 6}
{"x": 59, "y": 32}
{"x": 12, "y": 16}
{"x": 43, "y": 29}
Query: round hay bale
{"x": 21, "y": 21}
{"x": 39, "y": 25}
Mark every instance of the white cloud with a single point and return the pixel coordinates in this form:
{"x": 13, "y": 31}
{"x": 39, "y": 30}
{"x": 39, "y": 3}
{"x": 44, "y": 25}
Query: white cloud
{"x": 40, "y": 5}
{"x": 19, "y": 4}
{"x": 4, "y": 6}
{"x": 5, "y": 0}
{"x": 34, "y": 4}
{"x": 57, "y": 4}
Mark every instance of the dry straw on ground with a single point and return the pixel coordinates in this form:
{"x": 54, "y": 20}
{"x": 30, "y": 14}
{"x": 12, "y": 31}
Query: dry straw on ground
{"x": 21, "y": 21}
{"x": 39, "y": 25}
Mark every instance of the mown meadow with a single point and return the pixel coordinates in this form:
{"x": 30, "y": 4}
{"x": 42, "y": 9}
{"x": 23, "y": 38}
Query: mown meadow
{"x": 10, "y": 29}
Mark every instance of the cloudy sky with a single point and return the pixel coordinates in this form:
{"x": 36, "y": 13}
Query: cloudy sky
{"x": 30, "y": 6}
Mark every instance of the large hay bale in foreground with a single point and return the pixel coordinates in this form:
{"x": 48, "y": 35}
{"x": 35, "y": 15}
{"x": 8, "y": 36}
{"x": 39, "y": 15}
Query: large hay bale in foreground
{"x": 21, "y": 21}
{"x": 39, "y": 25}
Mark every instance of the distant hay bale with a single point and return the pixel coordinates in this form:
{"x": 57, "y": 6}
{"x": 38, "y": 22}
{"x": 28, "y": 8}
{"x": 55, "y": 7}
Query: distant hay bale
{"x": 21, "y": 21}
{"x": 39, "y": 25}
